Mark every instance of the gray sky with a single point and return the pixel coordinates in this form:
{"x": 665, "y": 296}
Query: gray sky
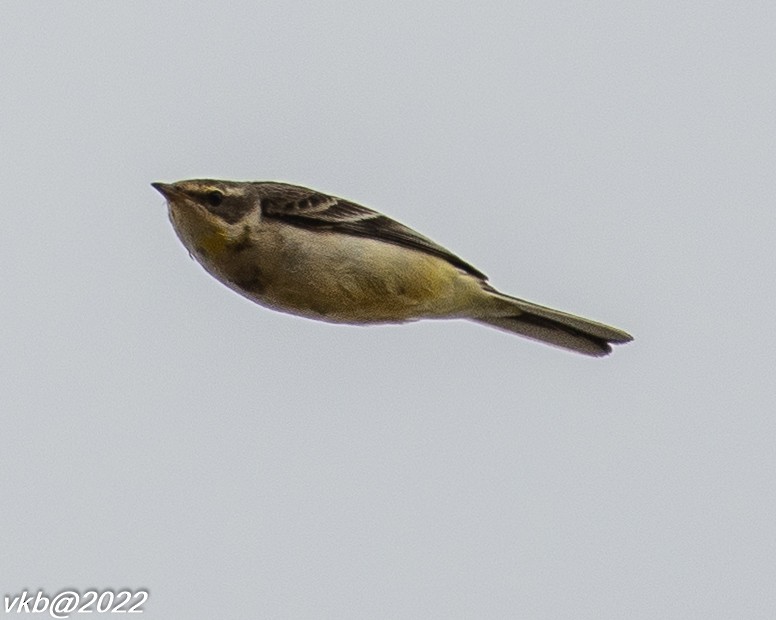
{"x": 612, "y": 159}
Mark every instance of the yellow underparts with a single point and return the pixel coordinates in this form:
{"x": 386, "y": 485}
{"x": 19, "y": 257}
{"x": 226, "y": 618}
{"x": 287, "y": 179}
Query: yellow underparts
{"x": 212, "y": 243}
{"x": 201, "y": 234}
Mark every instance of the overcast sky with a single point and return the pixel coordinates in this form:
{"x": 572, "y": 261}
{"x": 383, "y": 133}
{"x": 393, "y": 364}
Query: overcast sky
{"x": 612, "y": 159}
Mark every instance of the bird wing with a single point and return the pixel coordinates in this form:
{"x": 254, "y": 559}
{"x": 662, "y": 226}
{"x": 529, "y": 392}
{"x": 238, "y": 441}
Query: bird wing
{"x": 313, "y": 210}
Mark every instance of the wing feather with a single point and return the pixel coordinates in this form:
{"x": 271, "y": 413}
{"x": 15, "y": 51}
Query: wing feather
{"x": 313, "y": 210}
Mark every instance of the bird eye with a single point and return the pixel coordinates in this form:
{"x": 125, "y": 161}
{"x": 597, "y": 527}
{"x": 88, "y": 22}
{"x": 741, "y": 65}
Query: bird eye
{"x": 214, "y": 198}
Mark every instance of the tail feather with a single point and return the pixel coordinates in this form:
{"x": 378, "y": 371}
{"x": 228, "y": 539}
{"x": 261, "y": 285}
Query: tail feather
{"x": 556, "y": 328}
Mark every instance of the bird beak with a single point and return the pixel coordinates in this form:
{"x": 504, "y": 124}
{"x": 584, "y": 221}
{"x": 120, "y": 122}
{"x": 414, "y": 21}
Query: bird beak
{"x": 165, "y": 189}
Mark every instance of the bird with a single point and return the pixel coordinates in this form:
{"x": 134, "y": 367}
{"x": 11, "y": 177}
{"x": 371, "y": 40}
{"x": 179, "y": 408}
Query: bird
{"x": 305, "y": 252}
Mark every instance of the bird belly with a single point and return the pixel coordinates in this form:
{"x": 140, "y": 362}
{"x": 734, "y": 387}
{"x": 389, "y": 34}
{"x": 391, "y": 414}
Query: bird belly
{"x": 343, "y": 279}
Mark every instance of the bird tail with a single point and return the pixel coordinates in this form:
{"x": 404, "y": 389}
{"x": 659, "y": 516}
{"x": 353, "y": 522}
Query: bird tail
{"x": 553, "y": 326}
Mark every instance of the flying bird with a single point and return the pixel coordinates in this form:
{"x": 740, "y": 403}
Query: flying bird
{"x": 307, "y": 253}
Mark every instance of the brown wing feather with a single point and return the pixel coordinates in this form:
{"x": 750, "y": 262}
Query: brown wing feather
{"x": 307, "y": 208}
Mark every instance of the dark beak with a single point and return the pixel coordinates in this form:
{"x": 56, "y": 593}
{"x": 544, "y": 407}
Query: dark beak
{"x": 165, "y": 189}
